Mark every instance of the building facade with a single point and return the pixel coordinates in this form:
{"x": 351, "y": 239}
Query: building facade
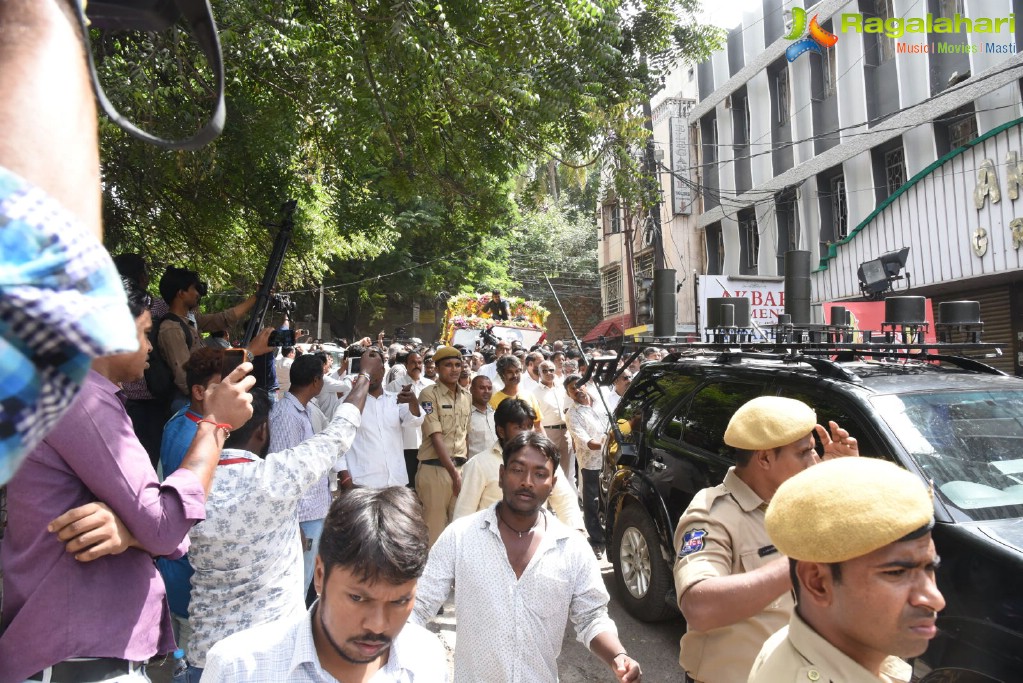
{"x": 867, "y": 146}
{"x": 626, "y": 252}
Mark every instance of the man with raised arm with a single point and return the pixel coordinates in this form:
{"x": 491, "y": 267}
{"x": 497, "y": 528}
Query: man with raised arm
{"x": 733, "y": 587}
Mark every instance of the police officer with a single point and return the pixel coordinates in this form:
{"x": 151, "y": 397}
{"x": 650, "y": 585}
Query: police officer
{"x": 733, "y": 587}
{"x": 857, "y": 533}
{"x": 448, "y": 407}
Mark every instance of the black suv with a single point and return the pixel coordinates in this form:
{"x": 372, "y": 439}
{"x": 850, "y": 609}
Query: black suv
{"x": 958, "y": 423}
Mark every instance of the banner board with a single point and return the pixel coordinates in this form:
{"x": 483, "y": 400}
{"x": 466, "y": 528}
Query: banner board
{"x": 767, "y": 296}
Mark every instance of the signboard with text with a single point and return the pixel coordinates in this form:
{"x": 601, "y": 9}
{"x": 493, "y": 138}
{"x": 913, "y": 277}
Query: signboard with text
{"x": 681, "y": 185}
{"x": 766, "y": 297}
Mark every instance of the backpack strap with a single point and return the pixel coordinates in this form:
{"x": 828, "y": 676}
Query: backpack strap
{"x": 186, "y": 329}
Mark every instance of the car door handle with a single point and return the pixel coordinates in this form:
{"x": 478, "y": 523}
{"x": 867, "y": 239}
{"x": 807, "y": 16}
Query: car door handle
{"x": 658, "y": 465}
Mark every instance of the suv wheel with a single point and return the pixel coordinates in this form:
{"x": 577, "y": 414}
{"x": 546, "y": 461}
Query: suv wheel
{"x": 642, "y": 576}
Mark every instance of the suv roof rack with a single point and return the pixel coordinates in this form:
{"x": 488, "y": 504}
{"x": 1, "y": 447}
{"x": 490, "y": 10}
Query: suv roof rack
{"x": 825, "y": 355}
{"x": 824, "y": 366}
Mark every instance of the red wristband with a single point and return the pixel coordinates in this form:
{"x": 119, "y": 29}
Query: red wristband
{"x": 219, "y": 425}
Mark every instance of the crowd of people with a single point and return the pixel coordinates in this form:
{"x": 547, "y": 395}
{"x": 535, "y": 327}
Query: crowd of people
{"x": 282, "y": 520}
{"x": 242, "y": 485}
{"x": 311, "y": 511}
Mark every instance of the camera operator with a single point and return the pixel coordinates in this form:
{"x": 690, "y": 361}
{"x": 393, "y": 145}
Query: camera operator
{"x": 182, "y": 289}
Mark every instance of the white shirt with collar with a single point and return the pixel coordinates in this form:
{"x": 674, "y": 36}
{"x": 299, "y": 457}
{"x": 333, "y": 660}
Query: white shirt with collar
{"x": 585, "y": 424}
{"x": 376, "y": 457}
{"x": 511, "y": 629}
{"x": 490, "y": 371}
{"x": 284, "y": 651}
{"x": 481, "y": 435}
{"x": 411, "y": 437}
{"x": 481, "y": 489}
{"x": 554, "y": 403}
{"x": 527, "y": 383}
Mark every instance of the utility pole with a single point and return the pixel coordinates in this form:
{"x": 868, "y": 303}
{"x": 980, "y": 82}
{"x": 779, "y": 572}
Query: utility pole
{"x": 662, "y": 287}
{"x": 653, "y": 184}
{"x": 319, "y": 318}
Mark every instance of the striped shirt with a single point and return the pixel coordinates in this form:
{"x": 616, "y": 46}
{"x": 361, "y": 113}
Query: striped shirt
{"x": 290, "y": 425}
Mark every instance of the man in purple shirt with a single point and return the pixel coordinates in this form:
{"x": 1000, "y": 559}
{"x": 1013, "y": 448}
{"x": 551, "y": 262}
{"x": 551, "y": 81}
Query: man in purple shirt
{"x": 67, "y": 619}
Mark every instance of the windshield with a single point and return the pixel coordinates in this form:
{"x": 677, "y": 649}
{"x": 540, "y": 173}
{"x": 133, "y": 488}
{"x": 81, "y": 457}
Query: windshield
{"x": 969, "y": 443}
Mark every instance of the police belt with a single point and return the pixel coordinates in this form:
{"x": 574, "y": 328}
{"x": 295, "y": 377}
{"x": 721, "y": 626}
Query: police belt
{"x": 437, "y": 463}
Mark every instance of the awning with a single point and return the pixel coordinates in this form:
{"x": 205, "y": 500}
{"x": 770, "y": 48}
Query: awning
{"x": 612, "y": 327}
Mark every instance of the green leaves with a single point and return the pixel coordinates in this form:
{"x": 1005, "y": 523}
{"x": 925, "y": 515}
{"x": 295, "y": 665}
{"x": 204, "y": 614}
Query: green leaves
{"x": 400, "y": 126}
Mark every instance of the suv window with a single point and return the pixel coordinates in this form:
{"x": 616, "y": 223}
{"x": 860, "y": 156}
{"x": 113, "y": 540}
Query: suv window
{"x": 655, "y": 396}
{"x": 829, "y": 410}
{"x": 967, "y": 442}
{"x": 703, "y": 424}
{"x": 673, "y": 389}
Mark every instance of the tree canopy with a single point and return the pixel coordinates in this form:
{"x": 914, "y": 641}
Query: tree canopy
{"x": 402, "y": 128}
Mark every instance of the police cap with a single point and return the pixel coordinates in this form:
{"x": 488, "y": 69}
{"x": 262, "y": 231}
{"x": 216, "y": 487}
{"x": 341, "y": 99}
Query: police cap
{"x": 769, "y": 422}
{"x": 445, "y": 352}
{"x": 847, "y": 507}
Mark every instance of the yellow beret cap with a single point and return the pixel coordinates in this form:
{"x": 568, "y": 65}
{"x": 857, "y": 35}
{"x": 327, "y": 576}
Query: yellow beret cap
{"x": 769, "y": 422}
{"x": 845, "y": 508}
{"x": 445, "y": 352}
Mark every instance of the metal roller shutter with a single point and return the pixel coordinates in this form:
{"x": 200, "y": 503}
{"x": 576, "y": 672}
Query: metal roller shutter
{"x": 995, "y": 311}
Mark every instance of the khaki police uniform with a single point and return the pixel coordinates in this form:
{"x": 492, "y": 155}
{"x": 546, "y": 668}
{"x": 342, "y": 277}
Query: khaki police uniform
{"x": 797, "y": 654}
{"x": 810, "y": 519}
{"x": 722, "y": 533}
{"x": 447, "y": 412}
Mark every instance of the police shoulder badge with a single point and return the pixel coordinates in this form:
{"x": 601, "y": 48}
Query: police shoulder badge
{"x": 427, "y": 406}
{"x": 692, "y": 541}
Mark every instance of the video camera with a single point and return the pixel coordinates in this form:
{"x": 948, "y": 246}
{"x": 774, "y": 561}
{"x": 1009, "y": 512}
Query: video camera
{"x": 282, "y": 303}
{"x": 488, "y": 337}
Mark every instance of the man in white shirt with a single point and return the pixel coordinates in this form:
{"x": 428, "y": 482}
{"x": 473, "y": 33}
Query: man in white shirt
{"x": 613, "y": 394}
{"x": 553, "y": 404}
{"x": 519, "y": 575}
{"x": 481, "y": 486}
{"x": 396, "y": 370}
{"x": 481, "y": 422}
{"x": 531, "y": 372}
{"x": 372, "y": 553}
{"x": 558, "y": 358}
{"x": 490, "y": 369}
{"x": 247, "y": 555}
{"x": 588, "y": 428}
{"x": 284, "y": 368}
{"x": 334, "y": 388}
{"x": 376, "y": 457}
{"x": 411, "y": 437}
